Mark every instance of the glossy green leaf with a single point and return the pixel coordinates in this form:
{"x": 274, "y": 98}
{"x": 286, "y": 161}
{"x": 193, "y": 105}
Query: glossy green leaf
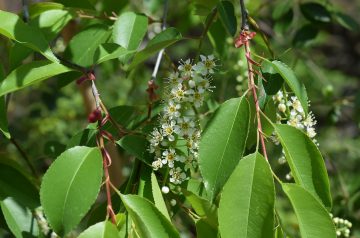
{"x": 109, "y": 51}
{"x": 70, "y": 186}
{"x": 82, "y": 48}
{"x": 305, "y": 161}
{"x": 137, "y": 146}
{"x": 227, "y": 16}
{"x": 129, "y": 30}
{"x": 14, "y": 28}
{"x": 217, "y": 36}
{"x": 103, "y": 229}
{"x": 149, "y": 221}
{"x": 18, "y": 53}
{"x": 203, "y": 7}
{"x": 19, "y": 219}
{"x": 272, "y": 79}
{"x": 217, "y": 159}
{"x": 158, "y": 197}
{"x": 314, "y": 220}
{"x": 315, "y": 12}
{"x": 29, "y": 74}
{"x": 247, "y": 201}
{"x": 160, "y": 41}
{"x": 296, "y": 86}
{"x": 52, "y": 22}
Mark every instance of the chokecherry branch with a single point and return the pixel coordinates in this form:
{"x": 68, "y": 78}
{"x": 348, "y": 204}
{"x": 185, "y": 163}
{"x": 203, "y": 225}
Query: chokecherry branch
{"x": 244, "y": 39}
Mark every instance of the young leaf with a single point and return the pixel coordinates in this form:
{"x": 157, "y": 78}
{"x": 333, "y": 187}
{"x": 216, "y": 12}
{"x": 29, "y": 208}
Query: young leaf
{"x": 347, "y": 21}
{"x": 14, "y": 28}
{"x": 223, "y": 143}
{"x": 51, "y": 22}
{"x": 296, "y": 86}
{"x": 19, "y": 218}
{"x": 305, "y": 34}
{"x": 103, "y": 229}
{"x": 247, "y": 201}
{"x": 158, "y": 197}
{"x": 315, "y": 12}
{"x": 227, "y": 16}
{"x": 70, "y": 187}
{"x": 82, "y": 48}
{"x": 314, "y": 220}
{"x": 305, "y": 161}
{"x": 109, "y": 51}
{"x": 29, "y": 74}
{"x": 160, "y": 41}
{"x": 129, "y": 30}
{"x": 149, "y": 221}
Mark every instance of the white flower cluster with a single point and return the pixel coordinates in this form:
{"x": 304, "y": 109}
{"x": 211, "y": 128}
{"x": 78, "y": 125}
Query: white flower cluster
{"x": 342, "y": 226}
{"x": 43, "y": 223}
{"x": 187, "y": 89}
{"x": 290, "y": 109}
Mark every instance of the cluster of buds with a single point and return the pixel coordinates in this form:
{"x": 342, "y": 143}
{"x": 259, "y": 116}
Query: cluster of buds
{"x": 290, "y": 109}
{"x": 179, "y": 127}
{"x": 342, "y": 226}
{"x": 43, "y": 223}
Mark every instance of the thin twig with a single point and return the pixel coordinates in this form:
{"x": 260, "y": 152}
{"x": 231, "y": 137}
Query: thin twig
{"x": 25, "y": 157}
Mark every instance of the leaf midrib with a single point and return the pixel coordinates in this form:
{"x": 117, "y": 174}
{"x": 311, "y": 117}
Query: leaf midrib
{"x": 71, "y": 182}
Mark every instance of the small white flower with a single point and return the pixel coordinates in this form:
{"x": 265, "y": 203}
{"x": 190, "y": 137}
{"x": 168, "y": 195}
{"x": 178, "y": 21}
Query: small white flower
{"x": 297, "y": 105}
{"x": 282, "y": 107}
{"x": 178, "y": 93}
{"x": 157, "y": 164}
{"x": 197, "y": 98}
{"x": 156, "y": 137}
{"x": 169, "y": 128}
{"x": 207, "y": 65}
{"x": 172, "y": 110}
{"x": 177, "y": 176}
{"x": 174, "y": 78}
{"x": 169, "y": 157}
{"x": 186, "y": 68}
{"x": 165, "y": 190}
{"x": 310, "y": 131}
{"x": 187, "y": 126}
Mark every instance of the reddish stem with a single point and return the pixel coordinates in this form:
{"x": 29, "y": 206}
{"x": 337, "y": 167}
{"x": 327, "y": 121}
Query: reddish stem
{"x": 252, "y": 86}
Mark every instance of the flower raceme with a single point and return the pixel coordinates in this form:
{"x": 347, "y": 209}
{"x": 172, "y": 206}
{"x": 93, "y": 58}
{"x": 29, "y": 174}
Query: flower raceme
{"x": 175, "y": 141}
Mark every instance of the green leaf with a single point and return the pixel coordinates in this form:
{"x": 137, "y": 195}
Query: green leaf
{"x": 136, "y": 145}
{"x": 203, "y": 7}
{"x": 347, "y": 21}
{"x": 158, "y": 197}
{"x": 3, "y": 112}
{"x": 15, "y": 183}
{"x": 217, "y": 36}
{"x": 103, "y": 229}
{"x": 14, "y": 28}
{"x": 19, "y": 219}
{"x": 315, "y": 12}
{"x": 227, "y": 16}
{"x": 29, "y": 74}
{"x": 37, "y": 8}
{"x": 247, "y": 201}
{"x": 129, "y": 30}
{"x": 296, "y": 86}
{"x": 82, "y": 49}
{"x": 273, "y": 80}
{"x": 160, "y": 41}
{"x": 149, "y": 221}
{"x": 70, "y": 186}
{"x": 205, "y": 230}
{"x": 305, "y": 161}
{"x": 203, "y": 208}
{"x": 223, "y": 143}
{"x": 314, "y": 220}
{"x": 109, "y": 51}
{"x": 52, "y": 22}
{"x": 305, "y": 34}
{"x": 18, "y": 53}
